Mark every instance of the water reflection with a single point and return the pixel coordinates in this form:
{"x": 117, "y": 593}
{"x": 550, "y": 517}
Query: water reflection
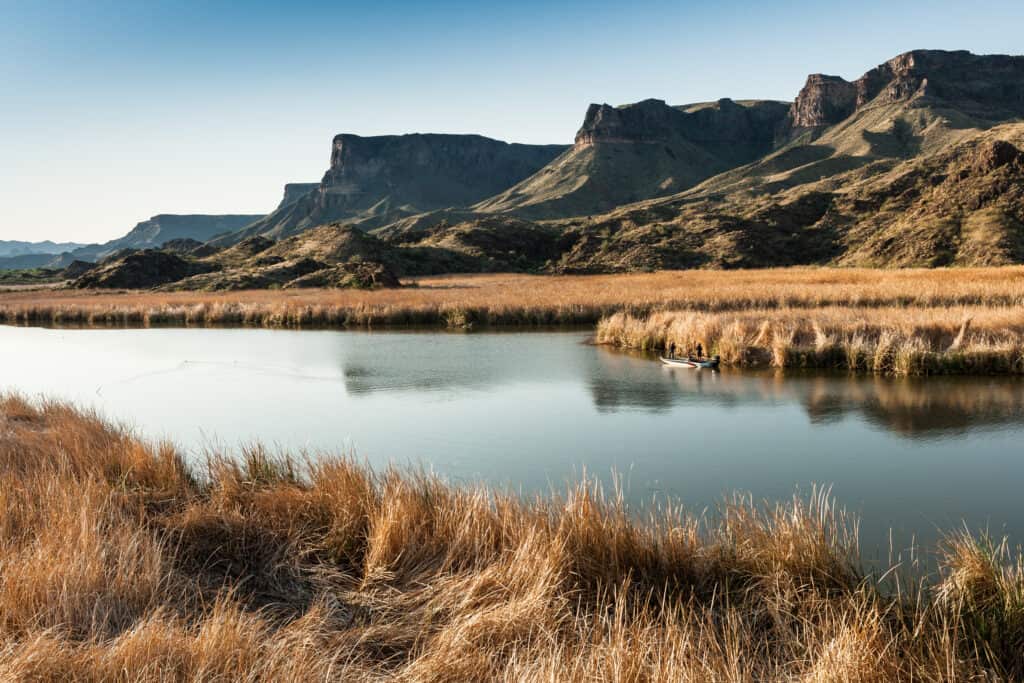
{"x": 910, "y": 407}
{"x": 624, "y": 381}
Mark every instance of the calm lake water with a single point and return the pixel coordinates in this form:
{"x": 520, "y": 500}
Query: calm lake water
{"x": 534, "y": 410}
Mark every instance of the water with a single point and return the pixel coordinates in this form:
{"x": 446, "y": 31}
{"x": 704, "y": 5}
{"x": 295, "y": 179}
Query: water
{"x": 532, "y": 411}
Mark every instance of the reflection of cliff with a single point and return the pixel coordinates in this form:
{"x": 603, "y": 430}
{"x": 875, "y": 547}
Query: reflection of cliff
{"x": 910, "y": 407}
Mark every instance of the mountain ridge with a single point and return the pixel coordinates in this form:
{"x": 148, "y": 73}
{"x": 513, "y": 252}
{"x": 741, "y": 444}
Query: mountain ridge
{"x": 918, "y": 162}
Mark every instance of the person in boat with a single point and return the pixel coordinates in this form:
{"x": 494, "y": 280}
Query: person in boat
{"x": 671, "y": 349}
{"x": 700, "y": 351}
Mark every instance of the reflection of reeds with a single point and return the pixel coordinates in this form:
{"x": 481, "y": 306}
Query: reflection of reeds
{"x": 119, "y": 563}
{"x": 525, "y": 299}
{"x": 897, "y": 341}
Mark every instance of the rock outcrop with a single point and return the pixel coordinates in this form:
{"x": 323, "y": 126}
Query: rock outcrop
{"x": 638, "y": 151}
{"x": 140, "y": 270}
{"x": 647, "y": 121}
{"x": 373, "y": 181}
{"x": 823, "y": 101}
{"x": 183, "y": 245}
{"x": 717, "y": 125}
{"x": 293, "y": 192}
{"x": 352, "y": 275}
{"x": 989, "y": 86}
{"x": 76, "y": 269}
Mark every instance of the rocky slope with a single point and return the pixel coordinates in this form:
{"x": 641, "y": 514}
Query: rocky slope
{"x": 963, "y": 205}
{"x": 909, "y": 165}
{"x": 643, "y": 150}
{"x": 139, "y": 270}
{"x": 373, "y": 181}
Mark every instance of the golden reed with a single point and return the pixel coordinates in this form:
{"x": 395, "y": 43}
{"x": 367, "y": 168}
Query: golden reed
{"x": 121, "y": 562}
{"x": 508, "y": 299}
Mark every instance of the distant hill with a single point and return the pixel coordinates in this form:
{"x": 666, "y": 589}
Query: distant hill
{"x": 16, "y": 248}
{"x": 373, "y": 181}
{"x": 162, "y": 228}
{"x": 149, "y": 234}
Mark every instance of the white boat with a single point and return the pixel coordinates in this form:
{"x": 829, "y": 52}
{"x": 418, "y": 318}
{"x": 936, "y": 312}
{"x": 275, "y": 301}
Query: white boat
{"x": 692, "y": 363}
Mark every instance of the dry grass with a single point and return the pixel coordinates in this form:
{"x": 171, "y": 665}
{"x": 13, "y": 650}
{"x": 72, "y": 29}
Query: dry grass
{"x": 895, "y": 341}
{"x": 118, "y": 563}
{"x": 526, "y": 299}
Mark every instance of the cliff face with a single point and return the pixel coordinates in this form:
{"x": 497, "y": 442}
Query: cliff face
{"x": 823, "y": 101}
{"x": 715, "y": 124}
{"x": 989, "y": 86}
{"x": 638, "y": 151}
{"x": 647, "y": 121}
{"x": 425, "y": 171}
{"x": 376, "y": 180}
{"x": 989, "y": 83}
{"x": 295, "y": 191}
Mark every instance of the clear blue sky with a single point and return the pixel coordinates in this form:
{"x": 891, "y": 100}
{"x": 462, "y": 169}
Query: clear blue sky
{"x": 113, "y": 111}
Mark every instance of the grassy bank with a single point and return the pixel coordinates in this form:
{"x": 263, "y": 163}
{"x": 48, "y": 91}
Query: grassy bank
{"x": 896, "y": 341}
{"x": 121, "y": 563}
{"x": 505, "y": 299}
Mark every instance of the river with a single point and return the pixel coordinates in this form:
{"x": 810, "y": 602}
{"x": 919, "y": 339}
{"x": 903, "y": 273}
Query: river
{"x": 532, "y": 411}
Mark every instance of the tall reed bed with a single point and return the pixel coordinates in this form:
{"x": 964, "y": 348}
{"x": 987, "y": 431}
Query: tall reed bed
{"x": 119, "y": 562}
{"x": 895, "y": 341}
{"x": 505, "y": 299}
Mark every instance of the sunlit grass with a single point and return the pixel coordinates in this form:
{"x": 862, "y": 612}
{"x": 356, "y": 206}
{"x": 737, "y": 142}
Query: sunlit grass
{"x": 459, "y": 301}
{"x": 886, "y": 340}
{"x": 121, "y": 563}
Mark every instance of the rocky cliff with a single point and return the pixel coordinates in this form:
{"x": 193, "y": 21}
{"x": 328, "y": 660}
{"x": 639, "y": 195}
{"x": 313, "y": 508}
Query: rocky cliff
{"x": 376, "y": 180}
{"x": 717, "y": 125}
{"x": 823, "y": 101}
{"x": 643, "y": 150}
{"x": 647, "y": 121}
{"x": 991, "y": 86}
{"x": 296, "y": 191}
{"x": 986, "y": 86}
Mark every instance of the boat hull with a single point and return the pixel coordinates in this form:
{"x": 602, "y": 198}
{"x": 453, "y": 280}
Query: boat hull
{"x": 690, "y": 363}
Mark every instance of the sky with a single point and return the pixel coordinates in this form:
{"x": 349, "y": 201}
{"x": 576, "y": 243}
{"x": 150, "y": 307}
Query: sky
{"x": 111, "y": 112}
